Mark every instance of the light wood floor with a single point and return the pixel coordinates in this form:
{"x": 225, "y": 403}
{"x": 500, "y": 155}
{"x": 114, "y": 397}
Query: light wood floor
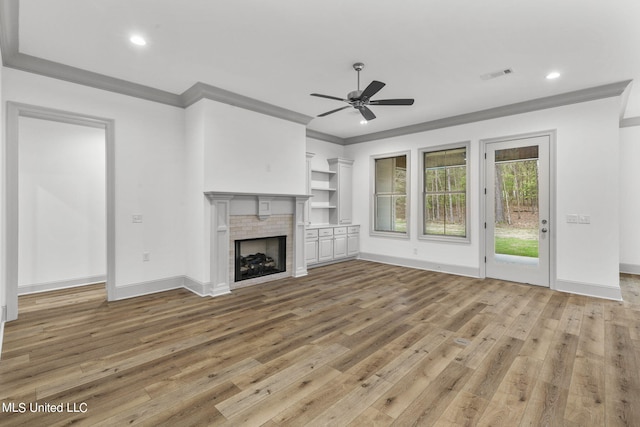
{"x": 355, "y": 343}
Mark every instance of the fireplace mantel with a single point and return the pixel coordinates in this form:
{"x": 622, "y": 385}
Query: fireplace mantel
{"x": 223, "y": 205}
{"x": 264, "y": 201}
{"x": 211, "y": 194}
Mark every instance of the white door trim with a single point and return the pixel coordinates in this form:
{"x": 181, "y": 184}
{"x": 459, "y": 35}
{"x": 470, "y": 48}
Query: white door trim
{"x": 552, "y": 199}
{"x": 16, "y": 110}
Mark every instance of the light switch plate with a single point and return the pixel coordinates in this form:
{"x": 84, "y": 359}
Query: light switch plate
{"x": 584, "y": 219}
{"x": 572, "y": 218}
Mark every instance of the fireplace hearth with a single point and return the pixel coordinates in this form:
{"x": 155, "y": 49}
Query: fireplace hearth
{"x": 260, "y": 257}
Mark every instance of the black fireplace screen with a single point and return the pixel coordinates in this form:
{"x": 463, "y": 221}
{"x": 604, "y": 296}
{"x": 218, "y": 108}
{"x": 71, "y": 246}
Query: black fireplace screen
{"x": 260, "y": 257}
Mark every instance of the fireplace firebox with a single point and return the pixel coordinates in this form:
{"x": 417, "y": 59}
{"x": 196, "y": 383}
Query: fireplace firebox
{"x": 260, "y": 257}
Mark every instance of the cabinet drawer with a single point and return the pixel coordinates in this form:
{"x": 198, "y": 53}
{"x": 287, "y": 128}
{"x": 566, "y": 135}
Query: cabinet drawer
{"x": 325, "y": 232}
{"x": 311, "y": 234}
{"x": 353, "y": 230}
{"x": 339, "y": 230}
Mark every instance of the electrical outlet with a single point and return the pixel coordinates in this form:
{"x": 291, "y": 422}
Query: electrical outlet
{"x": 572, "y": 218}
{"x": 146, "y": 257}
{"x": 136, "y": 218}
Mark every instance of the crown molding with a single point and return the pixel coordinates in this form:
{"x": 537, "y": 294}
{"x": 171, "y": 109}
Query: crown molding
{"x": 630, "y": 122}
{"x": 204, "y": 91}
{"x": 324, "y": 136}
{"x": 56, "y": 70}
{"x": 583, "y": 95}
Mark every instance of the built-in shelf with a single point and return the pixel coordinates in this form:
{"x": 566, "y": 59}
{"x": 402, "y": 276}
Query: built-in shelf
{"x": 330, "y": 190}
{"x": 323, "y": 171}
{"x": 322, "y": 206}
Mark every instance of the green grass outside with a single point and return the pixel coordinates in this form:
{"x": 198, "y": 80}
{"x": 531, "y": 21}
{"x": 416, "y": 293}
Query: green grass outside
{"x": 516, "y": 246}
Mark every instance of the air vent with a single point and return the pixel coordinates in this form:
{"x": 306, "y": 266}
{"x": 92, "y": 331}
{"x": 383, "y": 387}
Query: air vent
{"x": 495, "y": 74}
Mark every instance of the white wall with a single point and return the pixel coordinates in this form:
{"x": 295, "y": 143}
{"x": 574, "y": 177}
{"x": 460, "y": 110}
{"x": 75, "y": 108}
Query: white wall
{"x": 630, "y": 200}
{"x": 149, "y": 164}
{"x": 323, "y": 151}
{"x": 587, "y": 183}
{"x": 62, "y": 228}
{"x": 251, "y": 152}
{"x": 196, "y": 225}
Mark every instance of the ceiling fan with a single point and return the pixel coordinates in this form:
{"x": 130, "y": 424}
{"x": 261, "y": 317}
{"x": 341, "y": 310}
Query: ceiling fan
{"x": 360, "y": 99}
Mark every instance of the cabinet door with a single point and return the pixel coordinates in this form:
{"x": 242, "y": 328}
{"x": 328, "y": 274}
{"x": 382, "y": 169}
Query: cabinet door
{"x": 353, "y": 244}
{"x": 325, "y": 249}
{"x": 340, "y": 246}
{"x": 345, "y": 194}
{"x": 311, "y": 249}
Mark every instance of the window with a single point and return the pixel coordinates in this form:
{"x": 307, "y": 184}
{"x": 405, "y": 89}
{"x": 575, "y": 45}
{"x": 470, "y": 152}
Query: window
{"x": 444, "y": 213}
{"x": 390, "y": 195}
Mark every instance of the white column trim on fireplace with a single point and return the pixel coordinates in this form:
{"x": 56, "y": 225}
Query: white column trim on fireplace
{"x": 220, "y": 212}
{"x": 224, "y": 204}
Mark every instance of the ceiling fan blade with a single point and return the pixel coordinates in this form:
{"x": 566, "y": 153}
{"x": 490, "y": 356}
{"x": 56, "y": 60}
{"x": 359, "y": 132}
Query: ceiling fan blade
{"x": 392, "y": 102}
{"x": 372, "y": 89}
{"x": 366, "y": 113}
{"x": 333, "y": 111}
{"x": 329, "y": 97}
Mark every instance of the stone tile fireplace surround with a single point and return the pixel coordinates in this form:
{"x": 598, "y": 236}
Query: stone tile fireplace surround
{"x": 236, "y": 216}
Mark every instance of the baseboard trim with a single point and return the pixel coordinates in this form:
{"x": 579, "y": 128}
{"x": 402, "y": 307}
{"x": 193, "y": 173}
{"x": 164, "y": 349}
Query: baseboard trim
{"x": 333, "y": 261}
{"x": 219, "y": 293}
{"x": 60, "y": 284}
{"x": 421, "y": 264}
{"x": 150, "y": 287}
{"x": 589, "y": 289}
{"x": 629, "y": 268}
{"x": 195, "y": 286}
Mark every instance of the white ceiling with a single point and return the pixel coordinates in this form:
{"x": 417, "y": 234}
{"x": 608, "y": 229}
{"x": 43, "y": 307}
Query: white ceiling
{"x": 280, "y": 51}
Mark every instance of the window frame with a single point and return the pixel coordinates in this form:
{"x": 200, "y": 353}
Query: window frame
{"x": 372, "y": 193}
{"x": 421, "y": 217}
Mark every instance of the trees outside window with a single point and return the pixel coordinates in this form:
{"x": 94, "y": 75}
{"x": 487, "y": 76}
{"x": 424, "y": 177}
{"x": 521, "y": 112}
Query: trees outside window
{"x": 390, "y": 195}
{"x": 445, "y": 196}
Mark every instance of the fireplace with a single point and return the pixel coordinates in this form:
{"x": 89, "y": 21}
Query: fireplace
{"x": 259, "y": 257}
{"x": 243, "y": 216}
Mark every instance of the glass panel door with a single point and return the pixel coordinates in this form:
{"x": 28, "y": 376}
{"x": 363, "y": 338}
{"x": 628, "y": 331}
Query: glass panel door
{"x": 517, "y": 210}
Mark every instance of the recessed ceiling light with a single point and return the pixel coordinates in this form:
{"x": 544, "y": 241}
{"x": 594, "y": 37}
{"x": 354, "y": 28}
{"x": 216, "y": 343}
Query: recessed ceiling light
{"x": 553, "y": 75}
{"x": 138, "y": 40}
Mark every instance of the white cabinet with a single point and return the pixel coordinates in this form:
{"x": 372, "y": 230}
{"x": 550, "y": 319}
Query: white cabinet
{"x": 353, "y": 240}
{"x": 325, "y": 246}
{"x": 311, "y": 251}
{"x": 342, "y": 182}
{"x": 339, "y": 242}
{"x": 311, "y": 246}
{"x": 328, "y": 244}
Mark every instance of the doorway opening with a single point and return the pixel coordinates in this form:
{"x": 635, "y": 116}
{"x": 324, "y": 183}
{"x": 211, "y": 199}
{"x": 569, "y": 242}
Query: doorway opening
{"x": 50, "y": 201}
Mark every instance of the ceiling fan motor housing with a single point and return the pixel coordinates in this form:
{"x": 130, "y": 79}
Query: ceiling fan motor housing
{"x": 353, "y": 95}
